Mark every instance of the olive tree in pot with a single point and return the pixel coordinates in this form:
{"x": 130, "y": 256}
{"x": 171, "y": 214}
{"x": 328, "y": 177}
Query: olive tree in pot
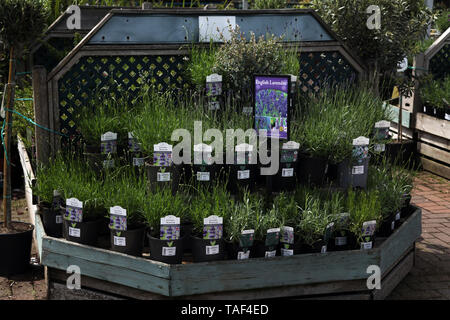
{"x": 166, "y": 240}
{"x": 21, "y": 23}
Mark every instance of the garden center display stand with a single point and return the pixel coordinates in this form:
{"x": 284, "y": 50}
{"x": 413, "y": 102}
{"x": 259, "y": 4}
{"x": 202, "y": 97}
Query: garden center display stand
{"x": 110, "y": 275}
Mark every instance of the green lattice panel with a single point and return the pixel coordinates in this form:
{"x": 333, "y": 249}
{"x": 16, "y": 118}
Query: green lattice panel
{"x": 320, "y": 68}
{"x": 92, "y": 73}
{"x": 440, "y": 63}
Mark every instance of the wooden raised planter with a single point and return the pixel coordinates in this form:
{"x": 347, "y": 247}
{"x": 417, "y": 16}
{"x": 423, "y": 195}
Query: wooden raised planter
{"x": 341, "y": 274}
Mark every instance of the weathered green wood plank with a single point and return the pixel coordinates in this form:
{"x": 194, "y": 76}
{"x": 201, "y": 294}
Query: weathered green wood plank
{"x": 105, "y": 257}
{"x": 394, "y": 112}
{"x": 399, "y": 242}
{"x": 115, "y": 274}
{"x": 262, "y": 273}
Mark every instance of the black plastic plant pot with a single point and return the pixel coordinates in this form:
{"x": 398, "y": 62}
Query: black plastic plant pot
{"x": 82, "y": 232}
{"x": 103, "y": 227}
{"x": 341, "y": 241}
{"x": 128, "y": 241}
{"x": 285, "y": 179}
{"x": 186, "y": 227}
{"x": 260, "y": 250}
{"x": 241, "y": 177}
{"x": 15, "y": 249}
{"x": 207, "y": 250}
{"x": 312, "y": 170}
{"x": 167, "y": 251}
{"x": 204, "y": 174}
{"x": 301, "y": 247}
{"x": 163, "y": 177}
{"x": 440, "y": 113}
{"x": 387, "y": 227}
{"x": 447, "y": 113}
{"x": 233, "y": 250}
{"x": 353, "y": 174}
{"x": 52, "y": 220}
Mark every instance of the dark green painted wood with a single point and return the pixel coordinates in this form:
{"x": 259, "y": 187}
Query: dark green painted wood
{"x": 105, "y": 257}
{"x": 115, "y": 274}
{"x": 402, "y": 239}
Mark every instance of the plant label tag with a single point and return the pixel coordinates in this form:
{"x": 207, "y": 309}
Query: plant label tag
{"x": 272, "y": 237}
{"x": 170, "y": 228}
{"x": 214, "y": 85}
{"x": 212, "y": 227}
{"x": 243, "y": 174}
{"x": 243, "y": 153}
{"x": 203, "y": 154}
{"x": 447, "y": 116}
{"x": 289, "y": 151}
{"x": 212, "y": 250}
{"x": 169, "y": 251}
{"x": 287, "y": 235}
{"x": 108, "y": 143}
{"x": 133, "y": 145}
{"x": 368, "y": 228}
{"x": 162, "y": 154}
{"x": 360, "y": 148}
{"x": 287, "y": 172}
{"x": 397, "y": 216}
{"x": 246, "y": 238}
{"x": 381, "y": 130}
{"x": 340, "y": 241}
{"x": 74, "y": 232}
{"x": 138, "y": 162}
{"x": 392, "y": 225}
{"x": 287, "y": 252}
{"x": 74, "y": 210}
{"x": 117, "y": 218}
{"x": 424, "y": 109}
{"x": 108, "y": 164}
{"x": 328, "y": 232}
{"x": 163, "y": 176}
{"x": 247, "y": 110}
{"x": 380, "y": 147}
{"x": 59, "y": 219}
{"x": 243, "y": 255}
{"x": 366, "y": 245}
{"x": 202, "y": 176}
{"x": 323, "y": 249}
{"x": 270, "y": 254}
{"x": 213, "y": 105}
{"x": 357, "y": 170}
{"x": 120, "y": 241}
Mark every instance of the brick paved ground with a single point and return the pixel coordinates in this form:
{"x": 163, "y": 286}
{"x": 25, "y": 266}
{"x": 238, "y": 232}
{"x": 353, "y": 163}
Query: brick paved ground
{"x": 30, "y": 286}
{"x": 429, "y": 279}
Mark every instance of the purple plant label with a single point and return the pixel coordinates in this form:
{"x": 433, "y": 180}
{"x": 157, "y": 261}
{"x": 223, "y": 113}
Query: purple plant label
{"x": 271, "y": 105}
{"x": 212, "y": 227}
{"x": 118, "y": 218}
{"x": 108, "y": 143}
{"x": 73, "y": 214}
{"x": 368, "y": 228}
{"x": 169, "y": 228}
{"x": 162, "y": 158}
{"x": 214, "y": 88}
{"x": 287, "y": 235}
{"x": 288, "y": 156}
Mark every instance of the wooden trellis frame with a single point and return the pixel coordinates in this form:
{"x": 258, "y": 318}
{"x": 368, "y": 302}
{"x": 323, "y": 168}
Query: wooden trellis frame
{"x": 47, "y": 103}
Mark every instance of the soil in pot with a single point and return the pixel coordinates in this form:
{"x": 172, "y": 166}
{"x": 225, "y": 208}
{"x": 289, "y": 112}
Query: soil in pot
{"x": 128, "y": 241}
{"x": 15, "y": 248}
{"x": 312, "y": 170}
{"x": 82, "y": 232}
{"x": 207, "y": 250}
{"x": 52, "y": 220}
{"x": 167, "y": 251}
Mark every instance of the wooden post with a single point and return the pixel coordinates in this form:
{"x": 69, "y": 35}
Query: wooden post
{"x": 7, "y": 139}
{"x": 41, "y": 115}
